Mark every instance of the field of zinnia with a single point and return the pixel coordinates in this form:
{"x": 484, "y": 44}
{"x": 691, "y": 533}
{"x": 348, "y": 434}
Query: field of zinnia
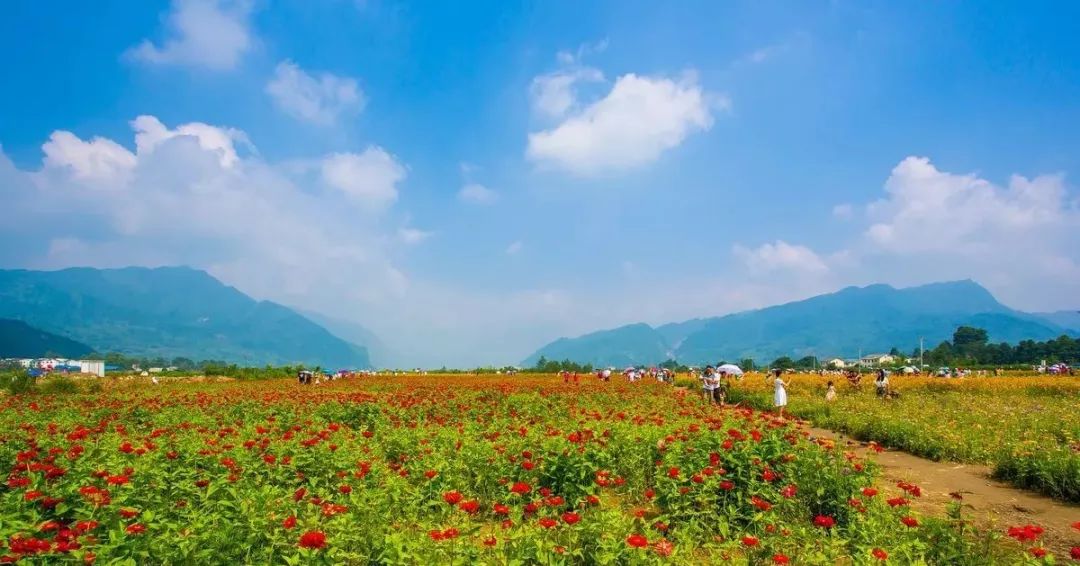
{"x": 444, "y": 470}
{"x": 1026, "y": 427}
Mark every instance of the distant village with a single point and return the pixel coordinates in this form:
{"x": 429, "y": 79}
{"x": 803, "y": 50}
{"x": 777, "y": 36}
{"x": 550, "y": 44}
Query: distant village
{"x": 42, "y": 366}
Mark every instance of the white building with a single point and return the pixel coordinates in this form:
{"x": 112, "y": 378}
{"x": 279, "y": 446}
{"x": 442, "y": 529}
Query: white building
{"x": 877, "y": 360}
{"x": 836, "y": 363}
{"x": 95, "y": 367}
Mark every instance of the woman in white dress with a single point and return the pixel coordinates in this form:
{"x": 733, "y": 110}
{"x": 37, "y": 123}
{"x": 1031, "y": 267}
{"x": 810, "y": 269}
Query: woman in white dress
{"x": 779, "y": 394}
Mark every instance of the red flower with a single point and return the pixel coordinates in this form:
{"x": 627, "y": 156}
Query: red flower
{"x": 663, "y": 547}
{"x": 637, "y": 541}
{"x": 289, "y": 522}
{"x": 548, "y": 522}
{"x": 593, "y": 500}
{"x": 649, "y": 493}
{"x": 1026, "y": 533}
{"x": 910, "y": 521}
{"x": 1037, "y": 552}
{"x": 760, "y": 503}
{"x": 1076, "y": 525}
{"x": 490, "y": 541}
{"x": 345, "y": 489}
{"x": 1075, "y": 553}
{"x": 869, "y": 492}
{"x": 824, "y": 521}
{"x": 789, "y": 491}
{"x": 299, "y": 494}
{"x": 500, "y": 509}
{"x": 313, "y": 540}
{"x": 571, "y": 518}
{"x": 452, "y": 497}
{"x": 750, "y": 541}
{"x": 880, "y": 554}
{"x": 471, "y": 506}
{"x": 727, "y": 485}
{"x": 116, "y": 480}
{"x": 897, "y": 502}
{"x": 780, "y": 559}
{"x": 430, "y": 474}
{"x": 135, "y": 529}
{"x": 128, "y": 513}
{"x": 673, "y": 473}
{"x": 85, "y": 526}
{"x": 520, "y": 488}
{"x": 450, "y": 533}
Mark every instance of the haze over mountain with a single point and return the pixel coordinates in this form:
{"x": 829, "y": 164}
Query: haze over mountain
{"x": 841, "y": 324}
{"x": 20, "y": 340}
{"x": 169, "y": 312}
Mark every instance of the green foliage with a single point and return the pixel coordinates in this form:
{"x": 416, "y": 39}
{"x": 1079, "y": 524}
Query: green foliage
{"x": 970, "y": 347}
{"x": 16, "y": 381}
{"x": 58, "y": 385}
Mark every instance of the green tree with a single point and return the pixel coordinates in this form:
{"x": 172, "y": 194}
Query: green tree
{"x": 783, "y": 362}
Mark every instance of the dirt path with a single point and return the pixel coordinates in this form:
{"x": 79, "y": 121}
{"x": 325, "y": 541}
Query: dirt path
{"x": 988, "y": 502}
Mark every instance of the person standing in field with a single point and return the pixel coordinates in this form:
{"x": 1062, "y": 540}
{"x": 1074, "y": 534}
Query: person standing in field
{"x": 779, "y": 392}
{"x": 708, "y": 378}
{"x": 723, "y": 383}
{"x": 830, "y": 393}
{"x": 882, "y": 383}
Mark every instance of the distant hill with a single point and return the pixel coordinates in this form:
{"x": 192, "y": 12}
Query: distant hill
{"x": 1064, "y": 319}
{"x": 20, "y": 340}
{"x": 871, "y": 319}
{"x": 169, "y": 312}
{"x": 628, "y": 345}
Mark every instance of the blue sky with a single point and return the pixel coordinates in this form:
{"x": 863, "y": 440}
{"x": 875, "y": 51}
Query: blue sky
{"x": 471, "y": 180}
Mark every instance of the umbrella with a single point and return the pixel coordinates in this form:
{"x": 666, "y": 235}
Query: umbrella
{"x": 730, "y": 369}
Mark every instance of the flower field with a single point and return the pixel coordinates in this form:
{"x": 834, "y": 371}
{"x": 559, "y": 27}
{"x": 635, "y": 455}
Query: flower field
{"x": 1027, "y": 428}
{"x": 449, "y": 469}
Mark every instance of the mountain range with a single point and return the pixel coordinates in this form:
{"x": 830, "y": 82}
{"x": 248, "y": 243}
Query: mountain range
{"x": 20, "y": 340}
{"x": 869, "y": 319}
{"x": 169, "y": 312}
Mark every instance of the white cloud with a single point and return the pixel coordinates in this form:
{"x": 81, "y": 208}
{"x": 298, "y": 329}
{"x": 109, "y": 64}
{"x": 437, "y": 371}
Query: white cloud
{"x": 100, "y": 159}
{"x": 369, "y": 179}
{"x": 514, "y": 248}
{"x": 189, "y": 199}
{"x": 213, "y": 34}
{"x": 320, "y": 99}
{"x": 554, "y": 94}
{"x": 781, "y": 256}
{"x": 150, "y": 133}
{"x": 412, "y": 236}
{"x": 843, "y": 211}
{"x": 1019, "y": 240}
{"x": 639, "y": 119}
{"x": 927, "y": 210}
{"x": 477, "y": 194}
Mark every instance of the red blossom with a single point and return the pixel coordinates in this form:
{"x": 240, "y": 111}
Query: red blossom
{"x": 824, "y": 522}
{"x": 313, "y": 540}
{"x": 637, "y": 541}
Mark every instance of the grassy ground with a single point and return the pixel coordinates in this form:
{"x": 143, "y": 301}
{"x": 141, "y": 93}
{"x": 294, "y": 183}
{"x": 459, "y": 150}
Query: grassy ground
{"x": 1027, "y": 428}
